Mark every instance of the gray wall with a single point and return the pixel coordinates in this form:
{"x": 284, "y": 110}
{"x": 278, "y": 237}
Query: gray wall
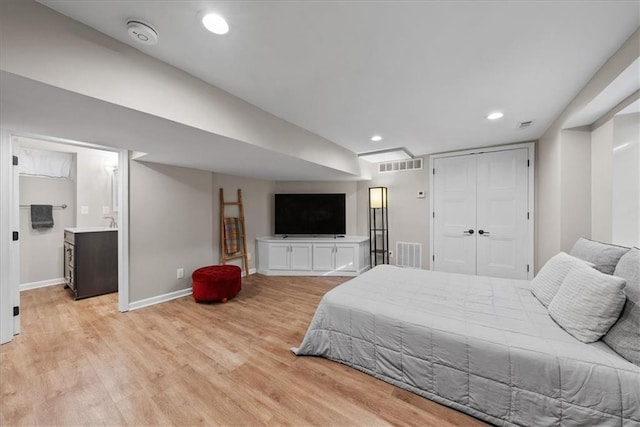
{"x": 170, "y": 223}
{"x": 41, "y": 250}
{"x": 576, "y": 187}
{"x": 408, "y": 215}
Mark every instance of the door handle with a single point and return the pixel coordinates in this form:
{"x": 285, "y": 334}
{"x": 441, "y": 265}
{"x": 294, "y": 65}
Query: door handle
{"x": 483, "y": 232}
{"x": 469, "y": 232}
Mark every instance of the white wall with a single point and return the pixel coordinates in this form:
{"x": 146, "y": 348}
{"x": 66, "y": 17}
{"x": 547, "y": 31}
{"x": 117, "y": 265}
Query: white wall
{"x": 601, "y": 181}
{"x": 94, "y": 186}
{"x": 625, "y": 177}
{"x": 556, "y": 187}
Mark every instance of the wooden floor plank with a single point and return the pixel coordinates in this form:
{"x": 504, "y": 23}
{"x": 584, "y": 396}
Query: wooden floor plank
{"x": 183, "y": 363}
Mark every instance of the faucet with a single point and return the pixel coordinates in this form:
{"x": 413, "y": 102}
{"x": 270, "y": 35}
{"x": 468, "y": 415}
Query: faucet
{"x": 112, "y": 223}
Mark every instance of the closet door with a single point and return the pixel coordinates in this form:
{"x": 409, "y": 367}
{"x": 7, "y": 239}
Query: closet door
{"x": 502, "y": 209}
{"x": 455, "y": 214}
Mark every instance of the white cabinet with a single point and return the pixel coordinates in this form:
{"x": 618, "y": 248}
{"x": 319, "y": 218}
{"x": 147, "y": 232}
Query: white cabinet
{"x": 339, "y": 257}
{"x": 289, "y": 256}
{"x": 312, "y": 256}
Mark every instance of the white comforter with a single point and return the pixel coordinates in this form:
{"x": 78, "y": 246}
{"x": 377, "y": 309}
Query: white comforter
{"x": 482, "y": 345}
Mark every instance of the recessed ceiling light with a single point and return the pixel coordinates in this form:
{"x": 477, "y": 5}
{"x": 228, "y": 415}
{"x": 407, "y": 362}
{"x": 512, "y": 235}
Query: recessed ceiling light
{"x": 495, "y": 116}
{"x": 215, "y": 23}
{"x": 376, "y": 138}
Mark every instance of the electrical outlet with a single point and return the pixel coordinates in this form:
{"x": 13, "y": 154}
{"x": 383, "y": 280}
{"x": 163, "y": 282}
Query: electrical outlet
{"x": 390, "y": 254}
{"x": 105, "y": 210}
{"x": 180, "y": 273}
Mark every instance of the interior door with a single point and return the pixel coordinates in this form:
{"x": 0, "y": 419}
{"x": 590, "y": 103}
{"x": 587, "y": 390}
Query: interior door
{"x": 454, "y": 210}
{"x": 502, "y": 212}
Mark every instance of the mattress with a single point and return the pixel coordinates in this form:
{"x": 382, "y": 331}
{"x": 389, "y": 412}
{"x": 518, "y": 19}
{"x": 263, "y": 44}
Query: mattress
{"x": 484, "y": 346}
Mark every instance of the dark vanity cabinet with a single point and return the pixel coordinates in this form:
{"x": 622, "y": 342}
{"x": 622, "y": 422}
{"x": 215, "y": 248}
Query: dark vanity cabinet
{"x": 91, "y": 261}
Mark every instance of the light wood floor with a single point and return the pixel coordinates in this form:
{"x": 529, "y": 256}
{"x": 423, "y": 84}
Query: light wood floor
{"x": 182, "y": 363}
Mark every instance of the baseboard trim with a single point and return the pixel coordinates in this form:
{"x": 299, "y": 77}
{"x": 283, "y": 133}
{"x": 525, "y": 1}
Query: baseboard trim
{"x": 159, "y": 299}
{"x": 167, "y": 297}
{"x": 41, "y": 284}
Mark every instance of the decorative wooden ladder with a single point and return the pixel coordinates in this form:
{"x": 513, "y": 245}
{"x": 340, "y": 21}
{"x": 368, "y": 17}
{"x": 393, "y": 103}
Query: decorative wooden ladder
{"x": 233, "y": 238}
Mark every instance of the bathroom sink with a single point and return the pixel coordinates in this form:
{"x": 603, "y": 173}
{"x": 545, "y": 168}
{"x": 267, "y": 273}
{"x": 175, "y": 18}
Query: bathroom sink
{"x": 89, "y": 229}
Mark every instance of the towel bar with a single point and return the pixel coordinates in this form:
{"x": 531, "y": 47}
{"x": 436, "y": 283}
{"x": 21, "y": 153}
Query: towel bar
{"x": 62, "y": 206}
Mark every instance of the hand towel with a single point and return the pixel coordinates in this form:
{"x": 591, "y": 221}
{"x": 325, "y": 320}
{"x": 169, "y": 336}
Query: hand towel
{"x": 41, "y": 216}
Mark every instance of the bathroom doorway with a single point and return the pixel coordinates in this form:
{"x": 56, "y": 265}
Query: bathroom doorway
{"x": 83, "y": 185}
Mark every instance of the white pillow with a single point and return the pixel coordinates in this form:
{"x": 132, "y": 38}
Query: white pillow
{"x": 548, "y": 280}
{"x": 588, "y": 303}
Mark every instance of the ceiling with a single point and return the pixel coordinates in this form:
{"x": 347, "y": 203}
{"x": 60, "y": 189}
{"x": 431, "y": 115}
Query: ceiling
{"x": 424, "y": 75}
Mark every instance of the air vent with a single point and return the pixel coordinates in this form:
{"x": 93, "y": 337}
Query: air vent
{"x": 409, "y": 254}
{"x": 401, "y": 165}
{"x": 524, "y": 125}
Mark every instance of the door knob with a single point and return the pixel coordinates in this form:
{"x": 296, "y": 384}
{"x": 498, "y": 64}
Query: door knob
{"x": 483, "y": 232}
{"x": 468, "y": 232}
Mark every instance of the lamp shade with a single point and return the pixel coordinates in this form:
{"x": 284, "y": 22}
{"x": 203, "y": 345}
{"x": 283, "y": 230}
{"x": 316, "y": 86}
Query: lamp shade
{"x": 378, "y": 197}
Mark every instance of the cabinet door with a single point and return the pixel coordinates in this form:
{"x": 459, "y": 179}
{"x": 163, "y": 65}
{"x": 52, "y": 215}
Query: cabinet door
{"x": 346, "y": 257}
{"x": 323, "y": 256}
{"x": 454, "y": 205}
{"x": 278, "y": 256}
{"x": 300, "y": 256}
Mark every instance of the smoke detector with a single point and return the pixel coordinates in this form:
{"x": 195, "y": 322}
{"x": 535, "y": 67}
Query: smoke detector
{"x": 141, "y": 32}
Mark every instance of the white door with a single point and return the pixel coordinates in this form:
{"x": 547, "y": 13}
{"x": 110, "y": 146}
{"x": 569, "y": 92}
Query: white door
{"x": 454, "y": 208}
{"x": 481, "y": 223}
{"x": 502, "y": 210}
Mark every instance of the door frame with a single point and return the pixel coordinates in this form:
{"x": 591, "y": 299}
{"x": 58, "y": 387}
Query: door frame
{"x": 9, "y": 205}
{"x": 530, "y": 146}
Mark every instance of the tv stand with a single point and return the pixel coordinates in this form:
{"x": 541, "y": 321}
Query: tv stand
{"x": 312, "y": 256}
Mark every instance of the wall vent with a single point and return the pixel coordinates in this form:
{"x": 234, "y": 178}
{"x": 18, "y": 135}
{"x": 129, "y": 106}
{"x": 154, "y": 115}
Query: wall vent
{"x": 400, "y": 165}
{"x": 524, "y": 125}
{"x": 409, "y": 254}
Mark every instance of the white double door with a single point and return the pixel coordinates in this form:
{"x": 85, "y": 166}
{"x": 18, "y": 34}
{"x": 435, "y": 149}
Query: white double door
{"x": 481, "y": 214}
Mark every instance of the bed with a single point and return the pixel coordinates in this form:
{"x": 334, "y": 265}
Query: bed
{"x": 484, "y": 346}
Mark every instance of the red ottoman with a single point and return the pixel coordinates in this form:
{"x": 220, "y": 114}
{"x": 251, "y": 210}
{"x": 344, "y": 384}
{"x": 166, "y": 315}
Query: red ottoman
{"x": 216, "y": 283}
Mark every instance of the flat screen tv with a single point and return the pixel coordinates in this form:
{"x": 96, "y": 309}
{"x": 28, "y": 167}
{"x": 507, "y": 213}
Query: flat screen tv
{"x": 310, "y": 214}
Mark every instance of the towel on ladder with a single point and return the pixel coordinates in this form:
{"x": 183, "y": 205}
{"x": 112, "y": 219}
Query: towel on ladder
{"x": 232, "y": 234}
{"x": 41, "y": 216}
